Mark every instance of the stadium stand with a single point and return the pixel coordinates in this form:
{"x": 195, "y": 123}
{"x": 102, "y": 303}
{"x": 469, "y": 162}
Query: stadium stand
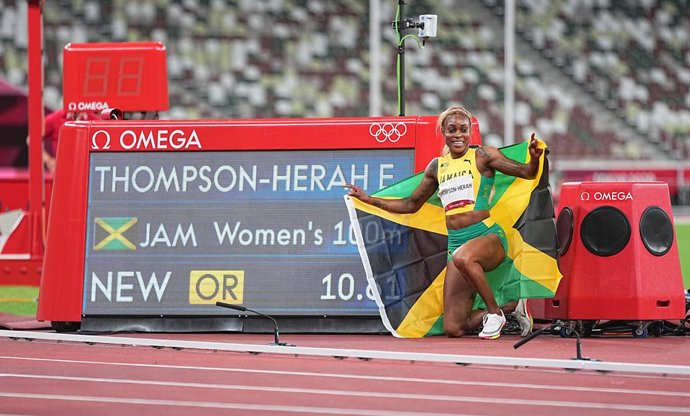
{"x": 629, "y": 58}
{"x": 470, "y": 57}
{"x": 632, "y": 56}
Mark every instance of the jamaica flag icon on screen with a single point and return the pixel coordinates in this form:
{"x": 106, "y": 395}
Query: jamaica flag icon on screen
{"x": 114, "y": 233}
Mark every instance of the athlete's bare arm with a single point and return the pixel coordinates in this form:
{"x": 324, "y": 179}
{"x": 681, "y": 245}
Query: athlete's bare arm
{"x": 408, "y": 205}
{"x": 491, "y": 159}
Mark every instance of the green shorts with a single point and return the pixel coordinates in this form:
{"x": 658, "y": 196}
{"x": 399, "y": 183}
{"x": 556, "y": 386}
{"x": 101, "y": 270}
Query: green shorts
{"x": 456, "y": 238}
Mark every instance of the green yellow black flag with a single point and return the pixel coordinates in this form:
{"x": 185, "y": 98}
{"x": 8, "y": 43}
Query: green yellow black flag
{"x": 404, "y": 255}
{"x": 114, "y": 233}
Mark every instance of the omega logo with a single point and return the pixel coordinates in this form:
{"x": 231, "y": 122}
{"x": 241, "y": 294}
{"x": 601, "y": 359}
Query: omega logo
{"x": 106, "y": 138}
{"x": 150, "y": 139}
{"x": 606, "y": 196}
{"x": 87, "y": 106}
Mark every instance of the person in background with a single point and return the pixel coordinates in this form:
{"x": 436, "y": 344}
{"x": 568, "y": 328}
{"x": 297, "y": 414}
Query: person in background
{"x": 53, "y": 123}
{"x": 464, "y": 177}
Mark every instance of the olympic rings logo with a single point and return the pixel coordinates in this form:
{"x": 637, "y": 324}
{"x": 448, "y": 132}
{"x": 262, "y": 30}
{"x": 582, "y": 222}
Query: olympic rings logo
{"x": 387, "y": 131}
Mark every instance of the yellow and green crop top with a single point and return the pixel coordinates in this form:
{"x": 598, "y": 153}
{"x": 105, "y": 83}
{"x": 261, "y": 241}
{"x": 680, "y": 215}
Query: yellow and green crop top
{"x": 461, "y": 187}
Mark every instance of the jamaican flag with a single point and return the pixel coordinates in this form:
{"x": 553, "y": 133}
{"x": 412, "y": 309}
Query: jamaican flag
{"x": 404, "y": 255}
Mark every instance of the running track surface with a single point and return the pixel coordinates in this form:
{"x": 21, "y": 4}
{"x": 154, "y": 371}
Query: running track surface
{"x": 66, "y": 377}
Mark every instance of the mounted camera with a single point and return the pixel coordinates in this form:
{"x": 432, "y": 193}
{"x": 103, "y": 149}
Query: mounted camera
{"x": 428, "y": 24}
{"x": 111, "y": 114}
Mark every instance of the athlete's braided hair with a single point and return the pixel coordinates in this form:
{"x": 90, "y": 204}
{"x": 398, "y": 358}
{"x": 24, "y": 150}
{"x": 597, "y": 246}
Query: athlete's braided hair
{"x": 447, "y": 113}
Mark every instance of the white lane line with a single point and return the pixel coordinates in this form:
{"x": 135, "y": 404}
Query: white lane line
{"x": 218, "y": 405}
{"x": 369, "y": 354}
{"x": 497, "y": 400}
{"x": 362, "y": 377}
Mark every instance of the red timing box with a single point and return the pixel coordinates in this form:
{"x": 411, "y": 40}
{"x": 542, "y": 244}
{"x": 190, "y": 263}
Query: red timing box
{"x": 618, "y": 255}
{"x": 130, "y": 76}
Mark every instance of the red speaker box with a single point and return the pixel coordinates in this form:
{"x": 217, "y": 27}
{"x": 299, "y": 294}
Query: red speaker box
{"x": 618, "y": 253}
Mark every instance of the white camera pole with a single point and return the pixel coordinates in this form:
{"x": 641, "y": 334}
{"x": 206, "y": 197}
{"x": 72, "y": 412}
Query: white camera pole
{"x": 509, "y": 65}
{"x": 374, "y": 58}
{"x": 400, "y": 25}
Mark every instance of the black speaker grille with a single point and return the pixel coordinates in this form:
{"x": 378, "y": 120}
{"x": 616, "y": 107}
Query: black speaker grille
{"x": 605, "y": 231}
{"x": 656, "y": 231}
{"x": 564, "y": 229}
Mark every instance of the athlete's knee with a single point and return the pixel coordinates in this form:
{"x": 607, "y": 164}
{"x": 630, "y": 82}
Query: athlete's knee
{"x": 453, "y": 329}
{"x": 462, "y": 261}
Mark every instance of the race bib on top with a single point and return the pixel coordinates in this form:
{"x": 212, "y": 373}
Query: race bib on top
{"x": 457, "y": 192}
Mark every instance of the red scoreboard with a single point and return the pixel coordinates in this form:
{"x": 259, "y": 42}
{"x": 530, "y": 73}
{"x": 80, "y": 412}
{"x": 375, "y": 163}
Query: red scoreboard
{"x": 152, "y": 222}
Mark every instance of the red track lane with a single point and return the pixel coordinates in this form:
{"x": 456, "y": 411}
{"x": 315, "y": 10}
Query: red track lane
{"x": 60, "y": 378}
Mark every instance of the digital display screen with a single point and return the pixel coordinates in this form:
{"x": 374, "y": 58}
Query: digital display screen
{"x": 130, "y": 76}
{"x": 171, "y": 233}
{"x": 127, "y": 81}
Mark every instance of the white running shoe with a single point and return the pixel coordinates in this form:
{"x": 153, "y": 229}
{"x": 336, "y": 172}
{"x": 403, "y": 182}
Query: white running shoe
{"x": 493, "y": 323}
{"x": 524, "y": 317}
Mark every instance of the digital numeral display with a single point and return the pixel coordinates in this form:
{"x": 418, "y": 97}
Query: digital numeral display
{"x": 98, "y": 81}
{"x": 128, "y": 76}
